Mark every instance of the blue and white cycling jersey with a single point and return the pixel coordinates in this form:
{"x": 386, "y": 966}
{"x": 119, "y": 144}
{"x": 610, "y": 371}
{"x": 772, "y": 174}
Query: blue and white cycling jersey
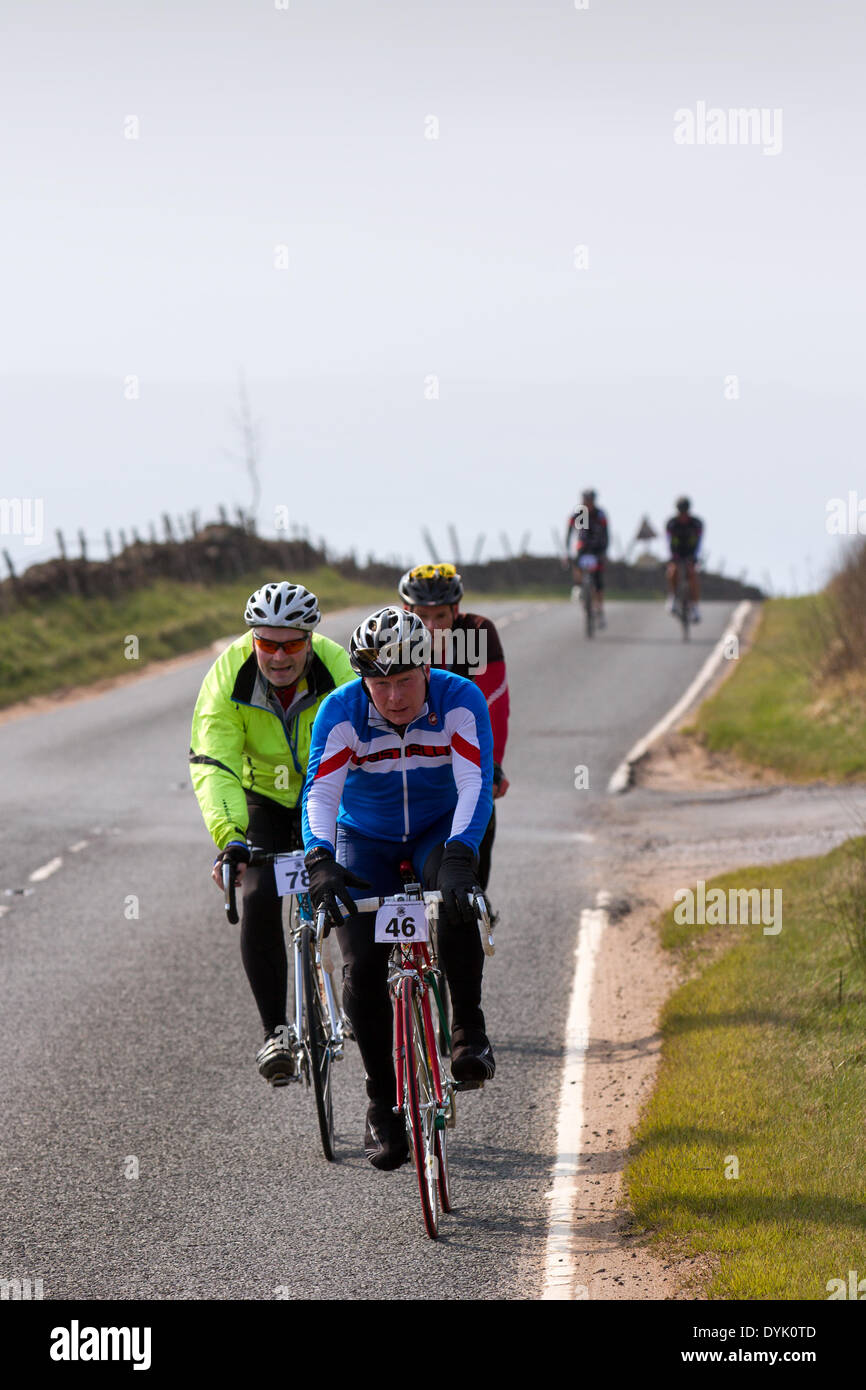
{"x": 364, "y": 775}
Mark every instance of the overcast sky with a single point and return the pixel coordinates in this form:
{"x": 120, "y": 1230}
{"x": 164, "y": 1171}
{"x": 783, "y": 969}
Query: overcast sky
{"x": 415, "y": 264}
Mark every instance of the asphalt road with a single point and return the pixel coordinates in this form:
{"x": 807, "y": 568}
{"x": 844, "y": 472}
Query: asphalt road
{"x": 128, "y": 1041}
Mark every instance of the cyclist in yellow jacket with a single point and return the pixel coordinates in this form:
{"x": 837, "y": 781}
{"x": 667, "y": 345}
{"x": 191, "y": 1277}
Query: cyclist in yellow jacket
{"x": 249, "y": 748}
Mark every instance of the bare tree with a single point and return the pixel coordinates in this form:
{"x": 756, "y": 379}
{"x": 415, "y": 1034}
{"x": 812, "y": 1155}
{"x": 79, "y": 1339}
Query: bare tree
{"x": 250, "y": 434}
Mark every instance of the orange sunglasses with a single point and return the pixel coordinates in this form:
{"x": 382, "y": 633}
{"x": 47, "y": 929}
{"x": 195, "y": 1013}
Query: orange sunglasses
{"x": 266, "y": 645}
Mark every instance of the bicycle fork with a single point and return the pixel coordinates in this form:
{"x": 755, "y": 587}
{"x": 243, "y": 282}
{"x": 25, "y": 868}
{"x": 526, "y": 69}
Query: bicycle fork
{"x": 323, "y": 966}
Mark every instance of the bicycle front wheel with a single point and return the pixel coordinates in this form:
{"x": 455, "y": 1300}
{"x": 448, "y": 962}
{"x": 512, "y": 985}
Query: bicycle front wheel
{"x": 685, "y": 603}
{"x": 317, "y": 1041}
{"x": 420, "y": 1107}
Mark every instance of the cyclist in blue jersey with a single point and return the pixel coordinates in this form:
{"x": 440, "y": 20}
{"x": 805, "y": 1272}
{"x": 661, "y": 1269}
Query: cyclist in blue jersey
{"x": 401, "y": 767}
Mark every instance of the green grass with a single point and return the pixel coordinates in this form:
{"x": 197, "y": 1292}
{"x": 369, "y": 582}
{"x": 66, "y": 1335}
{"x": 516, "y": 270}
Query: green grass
{"x": 88, "y": 636}
{"x": 74, "y": 641}
{"x": 762, "y": 1061}
{"x": 776, "y": 710}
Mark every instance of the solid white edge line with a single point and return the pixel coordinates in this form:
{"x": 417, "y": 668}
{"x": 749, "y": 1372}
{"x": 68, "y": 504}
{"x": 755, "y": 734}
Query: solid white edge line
{"x": 46, "y": 870}
{"x": 621, "y": 779}
{"x": 559, "y": 1258}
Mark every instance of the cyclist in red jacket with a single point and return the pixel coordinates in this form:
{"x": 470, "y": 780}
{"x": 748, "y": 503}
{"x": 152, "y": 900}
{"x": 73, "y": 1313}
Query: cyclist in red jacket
{"x": 468, "y": 645}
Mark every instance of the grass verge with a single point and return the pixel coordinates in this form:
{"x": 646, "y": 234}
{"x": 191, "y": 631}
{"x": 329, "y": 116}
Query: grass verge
{"x": 47, "y": 650}
{"x": 780, "y": 710}
{"x": 763, "y": 1062}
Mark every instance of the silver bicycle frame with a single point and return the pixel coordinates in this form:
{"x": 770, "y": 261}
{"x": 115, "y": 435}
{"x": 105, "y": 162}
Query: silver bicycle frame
{"x": 336, "y": 1039}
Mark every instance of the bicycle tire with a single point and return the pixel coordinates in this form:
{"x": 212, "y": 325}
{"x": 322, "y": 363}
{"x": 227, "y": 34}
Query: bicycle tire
{"x": 588, "y": 609}
{"x": 430, "y": 1023}
{"x": 685, "y": 601}
{"x": 442, "y": 1000}
{"x": 440, "y": 1133}
{"x": 444, "y": 1179}
{"x": 420, "y": 1123}
{"x": 316, "y": 1038}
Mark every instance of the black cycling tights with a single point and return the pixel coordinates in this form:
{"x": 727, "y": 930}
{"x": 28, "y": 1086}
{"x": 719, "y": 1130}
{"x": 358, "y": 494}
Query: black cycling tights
{"x": 273, "y": 828}
{"x": 365, "y": 988}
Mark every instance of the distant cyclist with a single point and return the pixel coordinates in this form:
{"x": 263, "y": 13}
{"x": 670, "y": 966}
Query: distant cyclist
{"x": 401, "y": 767}
{"x": 685, "y": 533}
{"x": 587, "y": 534}
{"x": 249, "y": 748}
{"x": 474, "y": 651}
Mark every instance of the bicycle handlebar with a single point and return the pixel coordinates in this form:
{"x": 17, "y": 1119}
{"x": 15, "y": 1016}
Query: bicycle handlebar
{"x": 373, "y": 904}
{"x": 229, "y": 888}
{"x": 431, "y": 899}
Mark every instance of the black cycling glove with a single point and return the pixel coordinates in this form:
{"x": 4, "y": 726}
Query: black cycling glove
{"x": 329, "y": 881}
{"x": 235, "y": 852}
{"x": 458, "y": 875}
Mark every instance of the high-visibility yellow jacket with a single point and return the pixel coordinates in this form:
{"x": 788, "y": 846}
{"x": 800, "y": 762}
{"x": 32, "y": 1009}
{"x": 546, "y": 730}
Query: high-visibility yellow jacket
{"x": 241, "y": 739}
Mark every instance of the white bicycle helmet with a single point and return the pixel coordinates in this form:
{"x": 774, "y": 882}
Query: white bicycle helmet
{"x": 388, "y": 641}
{"x": 282, "y": 604}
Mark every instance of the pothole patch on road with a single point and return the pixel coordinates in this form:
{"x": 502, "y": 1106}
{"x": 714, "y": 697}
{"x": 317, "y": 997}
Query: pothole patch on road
{"x": 618, "y": 908}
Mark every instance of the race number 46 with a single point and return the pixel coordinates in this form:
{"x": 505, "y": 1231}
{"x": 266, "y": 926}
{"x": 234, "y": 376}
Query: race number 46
{"x": 291, "y": 874}
{"x": 404, "y": 922}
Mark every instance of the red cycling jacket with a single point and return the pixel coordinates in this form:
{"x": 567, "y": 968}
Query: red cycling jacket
{"x": 476, "y": 653}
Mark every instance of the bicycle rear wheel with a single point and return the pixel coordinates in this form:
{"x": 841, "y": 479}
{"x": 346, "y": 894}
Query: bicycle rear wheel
{"x": 317, "y": 1041}
{"x": 441, "y": 1010}
{"x": 588, "y": 609}
{"x": 431, "y": 1024}
{"x": 441, "y": 1146}
{"x": 420, "y": 1108}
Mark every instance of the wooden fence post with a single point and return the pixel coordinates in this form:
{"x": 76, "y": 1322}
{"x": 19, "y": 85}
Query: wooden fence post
{"x": 9, "y": 589}
{"x": 71, "y": 583}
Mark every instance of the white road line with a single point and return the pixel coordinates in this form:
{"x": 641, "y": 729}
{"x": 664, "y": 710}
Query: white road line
{"x": 516, "y": 617}
{"x": 621, "y": 779}
{"x": 559, "y": 1260}
{"x": 79, "y": 845}
{"x": 46, "y": 870}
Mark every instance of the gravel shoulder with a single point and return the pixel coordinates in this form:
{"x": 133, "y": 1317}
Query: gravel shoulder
{"x": 690, "y": 815}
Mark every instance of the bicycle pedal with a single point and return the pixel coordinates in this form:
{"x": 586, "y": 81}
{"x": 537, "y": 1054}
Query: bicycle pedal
{"x": 469, "y": 1085}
